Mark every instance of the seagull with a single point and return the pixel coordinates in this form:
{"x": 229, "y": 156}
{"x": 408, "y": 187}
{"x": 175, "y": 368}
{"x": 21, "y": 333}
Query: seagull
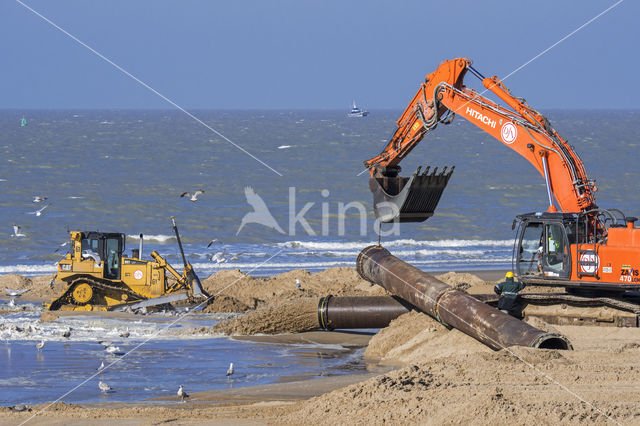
{"x": 219, "y": 257}
{"x": 66, "y": 243}
{"x": 182, "y": 394}
{"x": 40, "y": 345}
{"x": 15, "y": 293}
{"x": 260, "y": 214}
{"x": 12, "y": 303}
{"x": 237, "y": 255}
{"x": 230, "y": 370}
{"x": 16, "y": 231}
{"x": 67, "y": 333}
{"x": 112, "y": 349}
{"x": 211, "y": 242}
{"x": 101, "y": 367}
{"x": 298, "y": 285}
{"x": 39, "y": 199}
{"x": 93, "y": 255}
{"x": 125, "y": 334}
{"x": 104, "y": 387}
{"x": 39, "y": 212}
{"x": 193, "y": 197}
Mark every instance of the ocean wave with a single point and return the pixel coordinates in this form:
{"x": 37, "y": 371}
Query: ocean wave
{"x": 27, "y": 269}
{"x": 401, "y": 253}
{"x": 339, "y": 245}
{"x": 329, "y": 264}
{"x": 156, "y": 238}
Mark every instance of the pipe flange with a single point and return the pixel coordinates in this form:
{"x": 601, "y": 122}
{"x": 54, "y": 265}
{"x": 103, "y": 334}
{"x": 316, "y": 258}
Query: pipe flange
{"x": 323, "y": 305}
{"x": 361, "y": 258}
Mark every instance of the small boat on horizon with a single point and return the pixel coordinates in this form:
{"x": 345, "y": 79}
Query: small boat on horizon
{"x": 357, "y": 112}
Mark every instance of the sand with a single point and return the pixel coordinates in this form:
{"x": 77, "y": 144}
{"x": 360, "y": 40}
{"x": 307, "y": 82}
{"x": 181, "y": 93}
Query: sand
{"x": 441, "y": 376}
{"x": 258, "y": 292}
{"x": 294, "y": 316}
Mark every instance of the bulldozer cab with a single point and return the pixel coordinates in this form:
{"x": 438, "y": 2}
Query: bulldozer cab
{"x": 108, "y": 247}
{"x": 543, "y": 244}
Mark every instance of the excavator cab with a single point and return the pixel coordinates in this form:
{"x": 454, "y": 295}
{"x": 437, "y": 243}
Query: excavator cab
{"x": 402, "y": 199}
{"x": 543, "y": 244}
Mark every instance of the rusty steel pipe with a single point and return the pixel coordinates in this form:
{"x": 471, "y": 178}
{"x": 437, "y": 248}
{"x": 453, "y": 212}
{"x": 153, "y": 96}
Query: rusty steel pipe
{"x": 360, "y": 312}
{"x": 452, "y": 307}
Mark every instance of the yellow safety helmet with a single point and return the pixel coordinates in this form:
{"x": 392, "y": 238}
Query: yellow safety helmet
{"x": 509, "y": 275}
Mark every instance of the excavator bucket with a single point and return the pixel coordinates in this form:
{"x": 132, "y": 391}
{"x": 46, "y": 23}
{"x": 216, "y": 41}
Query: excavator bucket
{"x": 414, "y": 199}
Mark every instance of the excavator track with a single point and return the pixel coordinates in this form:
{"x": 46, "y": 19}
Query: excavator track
{"x": 571, "y": 309}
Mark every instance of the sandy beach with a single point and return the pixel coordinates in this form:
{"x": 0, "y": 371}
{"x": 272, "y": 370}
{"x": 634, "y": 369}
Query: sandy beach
{"x": 420, "y": 371}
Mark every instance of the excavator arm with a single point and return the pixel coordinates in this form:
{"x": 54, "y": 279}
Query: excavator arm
{"x": 517, "y": 126}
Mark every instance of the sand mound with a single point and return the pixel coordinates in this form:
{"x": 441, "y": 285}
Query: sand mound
{"x": 226, "y": 304}
{"x": 258, "y": 292}
{"x": 416, "y": 337}
{"x": 39, "y": 287}
{"x": 295, "y": 316}
{"x": 486, "y": 387}
{"x": 14, "y": 282}
{"x": 462, "y": 281}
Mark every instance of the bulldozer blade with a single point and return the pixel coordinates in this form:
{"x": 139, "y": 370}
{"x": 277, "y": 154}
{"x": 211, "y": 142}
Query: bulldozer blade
{"x": 170, "y": 298}
{"x": 414, "y": 199}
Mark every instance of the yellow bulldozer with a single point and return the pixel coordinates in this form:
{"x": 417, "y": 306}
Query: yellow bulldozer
{"x": 99, "y": 276}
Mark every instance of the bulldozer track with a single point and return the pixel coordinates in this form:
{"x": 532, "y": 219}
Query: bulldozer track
{"x": 96, "y": 284}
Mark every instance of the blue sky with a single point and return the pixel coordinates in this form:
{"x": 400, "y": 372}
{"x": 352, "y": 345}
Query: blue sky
{"x": 310, "y": 55}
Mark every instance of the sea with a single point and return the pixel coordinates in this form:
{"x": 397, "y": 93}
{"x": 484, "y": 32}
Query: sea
{"x": 283, "y": 190}
{"x": 124, "y": 171}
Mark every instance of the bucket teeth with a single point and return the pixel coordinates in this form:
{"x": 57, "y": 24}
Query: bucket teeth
{"x": 413, "y": 199}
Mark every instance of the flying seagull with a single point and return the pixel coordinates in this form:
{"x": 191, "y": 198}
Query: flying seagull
{"x": 182, "y": 394}
{"x": 104, "y": 387}
{"x": 15, "y": 293}
{"x": 211, "y": 242}
{"x": 39, "y": 199}
{"x": 219, "y": 257}
{"x": 66, "y": 243}
{"x": 16, "y": 231}
{"x": 39, "y": 211}
{"x": 101, "y": 367}
{"x": 237, "y": 255}
{"x": 230, "y": 370}
{"x": 193, "y": 197}
{"x": 40, "y": 345}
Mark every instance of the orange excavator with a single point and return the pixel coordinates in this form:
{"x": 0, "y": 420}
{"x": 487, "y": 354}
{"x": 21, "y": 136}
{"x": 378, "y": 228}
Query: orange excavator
{"x": 574, "y": 244}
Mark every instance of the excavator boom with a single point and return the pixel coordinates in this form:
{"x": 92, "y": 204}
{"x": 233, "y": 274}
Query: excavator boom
{"x": 516, "y": 125}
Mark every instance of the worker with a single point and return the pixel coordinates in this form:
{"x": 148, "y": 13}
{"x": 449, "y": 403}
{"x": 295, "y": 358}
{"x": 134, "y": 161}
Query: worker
{"x": 508, "y": 292}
